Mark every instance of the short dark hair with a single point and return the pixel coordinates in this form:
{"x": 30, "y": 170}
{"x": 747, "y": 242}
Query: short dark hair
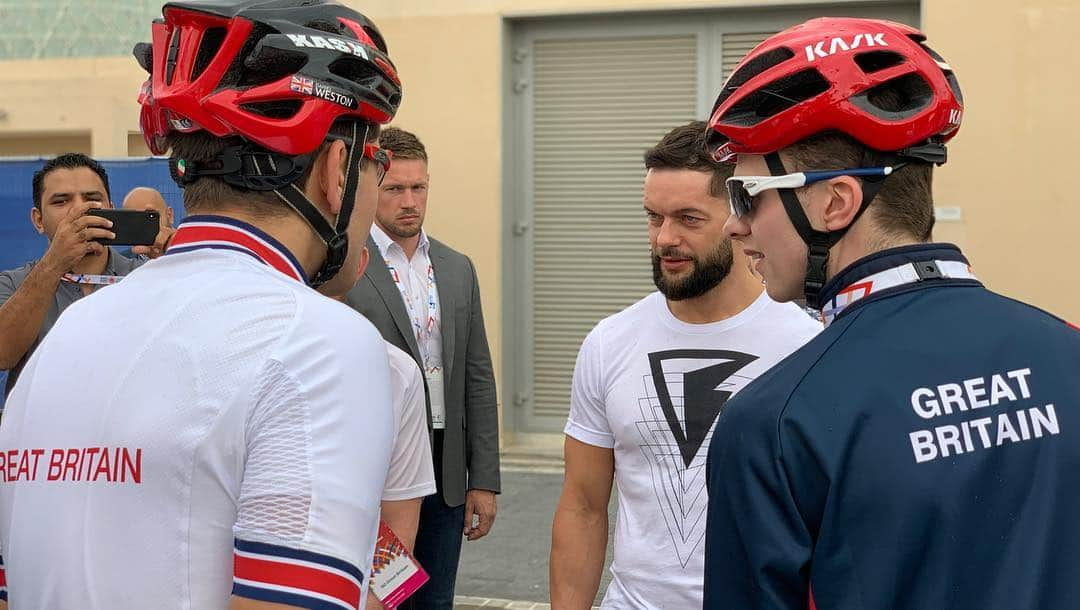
{"x": 684, "y": 148}
{"x": 208, "y": 193}
{"x": 904, "y": 207}
{"x": 403, "y": 144}
{"x": 67, "y": 161}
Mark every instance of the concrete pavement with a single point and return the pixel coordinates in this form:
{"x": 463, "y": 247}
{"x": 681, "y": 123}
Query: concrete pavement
{"x": 509, "y": 567}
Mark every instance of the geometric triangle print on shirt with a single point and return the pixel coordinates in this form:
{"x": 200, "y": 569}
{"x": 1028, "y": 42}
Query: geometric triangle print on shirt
{"x": 703, "y": 392}
{"x": 683, "y": 397}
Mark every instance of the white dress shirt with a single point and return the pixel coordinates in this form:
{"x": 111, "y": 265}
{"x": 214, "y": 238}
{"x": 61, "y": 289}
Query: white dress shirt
{"x": 421, "y": 298}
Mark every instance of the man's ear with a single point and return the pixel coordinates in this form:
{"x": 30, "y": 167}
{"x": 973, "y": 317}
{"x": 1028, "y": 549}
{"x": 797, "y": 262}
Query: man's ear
{"x": 36, "y": 219}
{"x": 329, "y": 170}
{"x": 844, "y": 197}
{"x": 364, "y": 258}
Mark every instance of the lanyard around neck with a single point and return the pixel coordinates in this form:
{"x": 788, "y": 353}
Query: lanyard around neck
{"x": 423, "y": 326}
{"x": 91, "y": 278}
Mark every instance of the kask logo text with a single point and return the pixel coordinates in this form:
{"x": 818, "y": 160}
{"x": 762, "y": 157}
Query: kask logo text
{"x": 831, "y": 46}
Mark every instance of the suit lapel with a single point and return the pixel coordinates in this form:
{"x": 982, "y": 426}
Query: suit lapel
{"x": 444, "y": 283}
{"x": 379, "y": 275}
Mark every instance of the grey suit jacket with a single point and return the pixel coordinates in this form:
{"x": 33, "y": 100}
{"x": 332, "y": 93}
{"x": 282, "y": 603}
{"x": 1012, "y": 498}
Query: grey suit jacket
{"x": 470, "y": 458}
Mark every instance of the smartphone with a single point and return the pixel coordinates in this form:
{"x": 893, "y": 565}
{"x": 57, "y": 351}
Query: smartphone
{"x": 132, "y": 227}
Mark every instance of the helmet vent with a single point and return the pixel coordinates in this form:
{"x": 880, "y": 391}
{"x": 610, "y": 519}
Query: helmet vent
{"x": 349, "y": 29}
{"x": 208, "y": 48}
{"x": 754, "y": 67}
{"x": 268, "y": 64}
{"x": 775, "y": 98}
{"x": 353, "y": 69}
{"x": 897, "y": 99}
{"x": 949, "y": 76}
{"x": 277, "y": 109}
{"x": 876, "y": 61}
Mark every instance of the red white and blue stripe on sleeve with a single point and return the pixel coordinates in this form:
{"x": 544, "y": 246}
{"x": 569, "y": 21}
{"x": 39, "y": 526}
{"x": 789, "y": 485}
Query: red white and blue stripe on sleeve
{"x": 3, "y": 581}
{"x": 283, "y": 575}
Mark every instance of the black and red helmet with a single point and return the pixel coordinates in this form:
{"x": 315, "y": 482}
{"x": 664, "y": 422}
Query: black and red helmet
{"x": 822, "y": 75}
{"x": 277, "y": 73}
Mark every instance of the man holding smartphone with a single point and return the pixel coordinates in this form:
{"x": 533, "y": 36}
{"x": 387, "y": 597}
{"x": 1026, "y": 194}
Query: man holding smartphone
{"x": 33, "y": 296}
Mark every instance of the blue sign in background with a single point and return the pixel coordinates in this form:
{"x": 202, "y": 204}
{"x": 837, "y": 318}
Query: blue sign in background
{"x": 21, "y": 243}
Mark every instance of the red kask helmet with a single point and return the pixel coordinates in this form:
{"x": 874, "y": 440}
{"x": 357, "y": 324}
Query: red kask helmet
{"x": 823, "y": 75}
{"x": 277, "y": 73}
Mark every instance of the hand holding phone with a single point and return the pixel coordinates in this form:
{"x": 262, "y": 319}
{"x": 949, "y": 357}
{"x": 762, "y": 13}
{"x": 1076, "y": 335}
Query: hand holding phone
{"x": 76, "y": 236}
{"x": 130, "y": 227}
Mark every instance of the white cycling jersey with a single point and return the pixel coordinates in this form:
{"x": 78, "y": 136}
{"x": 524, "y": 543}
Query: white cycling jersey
{"x": 209, "y": 426}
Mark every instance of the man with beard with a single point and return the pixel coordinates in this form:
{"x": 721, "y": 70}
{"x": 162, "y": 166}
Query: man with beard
{"x": 648, "y": 386}
{"x": 424, "y": 298}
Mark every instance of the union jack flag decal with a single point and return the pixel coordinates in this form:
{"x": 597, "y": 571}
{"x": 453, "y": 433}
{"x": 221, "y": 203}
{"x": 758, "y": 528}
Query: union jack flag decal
{"x": 300, "y": 84}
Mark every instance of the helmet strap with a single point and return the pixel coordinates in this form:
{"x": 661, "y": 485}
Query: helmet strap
{"x": 252, "y": 168}
{"x": 334, "y": 236}
{"x": 244, "y": 166}
{"x": 819, "y": 243}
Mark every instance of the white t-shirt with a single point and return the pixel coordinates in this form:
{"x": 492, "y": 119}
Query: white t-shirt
{"x": 639, "y": 374}
{"x": 411, "y": 474}
{"x": 208, "y": 413}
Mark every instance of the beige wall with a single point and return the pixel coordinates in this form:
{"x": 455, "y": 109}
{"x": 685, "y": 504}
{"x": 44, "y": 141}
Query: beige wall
{"x": 383, "y": 10}
{"x": 61, "y": 96}
{"x": 136, "y": 145}
{"x": 38, "y": 143}
{"x": 1011, "y": 165}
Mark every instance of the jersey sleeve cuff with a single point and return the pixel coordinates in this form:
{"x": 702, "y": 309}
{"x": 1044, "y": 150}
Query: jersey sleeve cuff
{"x": 3, "y": 581}
{"x": 409, "y": 493}
{"x": 588, "y": 436}
{"x": 294, "y": 577}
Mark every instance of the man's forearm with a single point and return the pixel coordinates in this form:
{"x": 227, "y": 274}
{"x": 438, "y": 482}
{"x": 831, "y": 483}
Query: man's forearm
{"x": 403, "y": 517}
{"x": 578, "y": 543}
{"x": 23, "y": 314}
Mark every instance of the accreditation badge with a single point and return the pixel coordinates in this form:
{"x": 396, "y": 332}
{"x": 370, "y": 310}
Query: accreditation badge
{"x": 436, "y": 396}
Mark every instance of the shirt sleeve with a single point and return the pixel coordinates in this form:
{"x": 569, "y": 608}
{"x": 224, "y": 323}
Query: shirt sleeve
{"x": 411, "y": 474}
{"x": 8, "y": 286}
{"x": 588, "y": 420}
{"x": 315, "y": 464}
{"x": 758, "y": 544}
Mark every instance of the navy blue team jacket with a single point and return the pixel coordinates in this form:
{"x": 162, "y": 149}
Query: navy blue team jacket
{"x": 922, "y": 452}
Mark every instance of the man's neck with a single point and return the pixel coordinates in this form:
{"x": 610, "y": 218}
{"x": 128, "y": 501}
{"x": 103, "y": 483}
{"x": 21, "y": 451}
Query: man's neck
{"x": 408, "y": 245}
{"x": 861, "y": 241}
{"x": 291, "y": 231}
{"x": 727, "y": 299}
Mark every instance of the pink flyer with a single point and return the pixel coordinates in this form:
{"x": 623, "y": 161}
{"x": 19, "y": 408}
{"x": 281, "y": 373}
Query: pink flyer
{"x": 395, "y": 575}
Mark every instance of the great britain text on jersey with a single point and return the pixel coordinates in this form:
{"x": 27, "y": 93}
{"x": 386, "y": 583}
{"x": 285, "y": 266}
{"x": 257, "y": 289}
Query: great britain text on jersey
{"x": 90, "y": 464}
{"x": 1024, "y": 424}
